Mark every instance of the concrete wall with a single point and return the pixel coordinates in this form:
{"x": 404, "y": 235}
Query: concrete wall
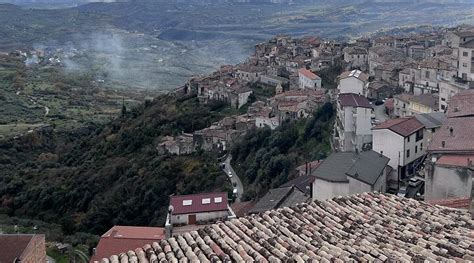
{"x": 183, "y": 218}
{"x": 323, "y": 190}
{"x": 381, "y": 184}
{"x": 357, "y": 127}
{"x": 465, "y": 70}
{"x": 358, "y": 60}
{"x": 448, "y": 182}
{"x": 261, "y": 122}
{"x": 356, "y": 186}
{"x": 390, "y": 144}
{"x": 243, "y": 98}
{"x": 446, "y": 91}
{"x": 351, "y": 85}
{"x": 413, "y": 145}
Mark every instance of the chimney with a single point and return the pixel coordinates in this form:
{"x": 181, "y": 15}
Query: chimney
{"x": 451, "y": 131}
{"x": 443, "y": 144}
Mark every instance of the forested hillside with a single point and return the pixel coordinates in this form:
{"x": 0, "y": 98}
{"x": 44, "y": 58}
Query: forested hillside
{"x": 93, "y": 178}
{"x": 266, "y": 159}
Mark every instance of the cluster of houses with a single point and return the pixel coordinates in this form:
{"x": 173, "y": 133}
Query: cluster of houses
{"x": 417, "y": 78}
{"x": 285, "y": 66}
{"x": 422, "y": 149}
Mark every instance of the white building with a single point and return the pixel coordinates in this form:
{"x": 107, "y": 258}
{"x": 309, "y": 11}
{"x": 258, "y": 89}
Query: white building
{"x": 402, "y": 140}
{"x": 354, "y": 81}
{"x": 308, "y": 80}
{"x": 466, "y": 61}
{"x": 353, "y": 122}
{"x": 198, "y": 209}
{"x": 349, "y": 173}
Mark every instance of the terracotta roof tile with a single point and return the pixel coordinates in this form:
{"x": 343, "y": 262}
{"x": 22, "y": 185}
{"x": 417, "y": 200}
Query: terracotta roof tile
{"x": 461, "y": 104}
{"x": 124, "y": 238}
{"x": 367, "y": 227}
{"x": 458, "y": 203}
{"x": 456, "y": 160}
{"x": 461, "y": 140}
{"x": 12, "y": 246}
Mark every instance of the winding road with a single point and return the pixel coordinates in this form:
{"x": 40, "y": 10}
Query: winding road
{"x": 235, "y": 180}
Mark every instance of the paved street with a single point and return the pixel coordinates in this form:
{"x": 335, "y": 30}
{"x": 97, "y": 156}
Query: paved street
{"x": 235, "y": 180}
{"x": 380, "y": 114}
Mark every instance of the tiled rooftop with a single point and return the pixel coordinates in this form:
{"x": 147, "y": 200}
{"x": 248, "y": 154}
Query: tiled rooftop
{"x": 353, "y": 100}
{"x": 354, "y": 73}
{"x": 401, "y": 126}
{"x": 308, "y": 74}
{"x": 454, "y": 136}
{"x": 461, "y": 104}
{"x": 368, "y": 227}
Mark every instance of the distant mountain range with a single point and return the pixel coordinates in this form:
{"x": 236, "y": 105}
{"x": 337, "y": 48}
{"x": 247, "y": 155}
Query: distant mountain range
{"x": 61, "y": 3}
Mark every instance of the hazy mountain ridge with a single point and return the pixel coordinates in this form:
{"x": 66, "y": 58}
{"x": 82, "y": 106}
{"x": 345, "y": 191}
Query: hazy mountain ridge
{"x": 162, "y": 43}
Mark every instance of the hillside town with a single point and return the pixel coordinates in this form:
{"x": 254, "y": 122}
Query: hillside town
{"x": 397, "y": 187}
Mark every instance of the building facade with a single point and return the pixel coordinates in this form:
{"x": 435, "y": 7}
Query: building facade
{"x": 353, "y": 123}
{"x": 402, "y": 141}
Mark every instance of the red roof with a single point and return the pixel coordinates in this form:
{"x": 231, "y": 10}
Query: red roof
{"x": 353, "y": 100}
{"x": 459, "y": 203}
{"x": 401, "y": 126}
{"x": 124, "y": 238}
{"x": 461, "y": 140}
{"x": 308, "y": 74}
{"x": 13, "y": 246}
{"x": 456, "y": 160}
{"x": 199, "y": 203}
{"x": 461, "y": 104}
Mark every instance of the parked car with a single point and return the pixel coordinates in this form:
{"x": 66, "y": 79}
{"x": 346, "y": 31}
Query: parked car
{"x": 235, "y": 191}
{"x": 402, "y": 191}
{"x": 230, "y": 174}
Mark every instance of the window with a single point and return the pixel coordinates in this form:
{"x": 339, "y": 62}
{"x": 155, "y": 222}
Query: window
{"x": 187, "y": 202}
{"x": 408, "y": 153}
{"x": 433, "y": 130}
{"x": 421, "y": 146}
{"x": 217, "y": 200}
{"x": 427, "y": 74}
{"x": 465, "y": 54}
{"x": 464, "y": 65}
{"x": 206, "y": 201}
{"x": 408, "y": 139}
{"x": 419, "y": 135}
{"x": 416, "y": 149}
